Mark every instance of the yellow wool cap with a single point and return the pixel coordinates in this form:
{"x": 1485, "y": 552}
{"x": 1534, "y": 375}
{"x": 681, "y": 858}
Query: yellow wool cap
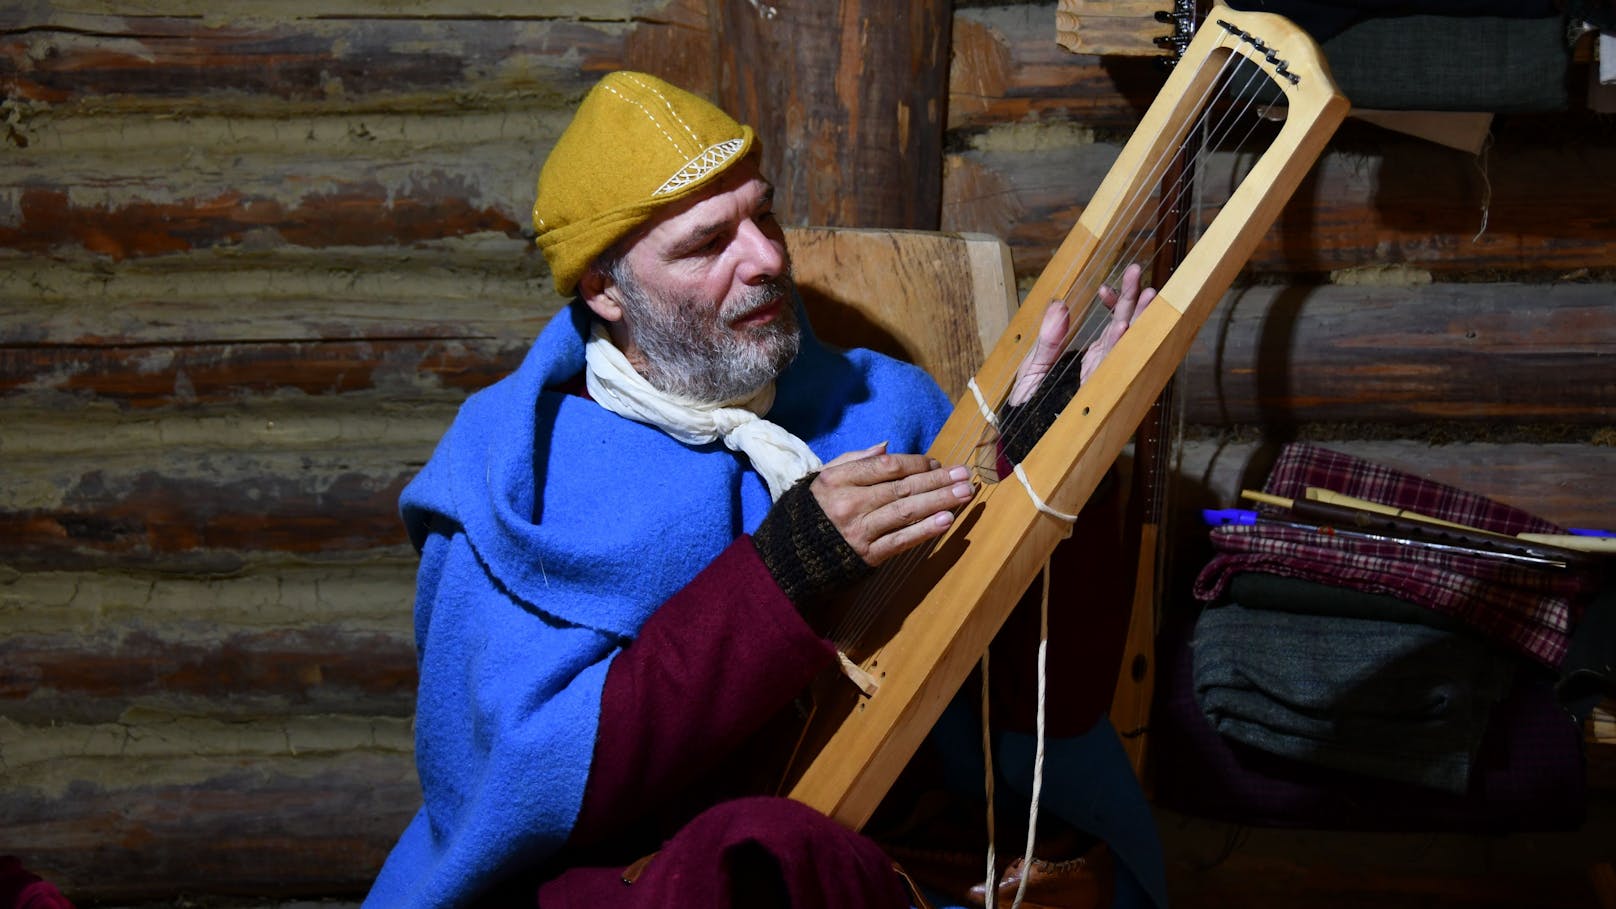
{"x": 636, "y": 144}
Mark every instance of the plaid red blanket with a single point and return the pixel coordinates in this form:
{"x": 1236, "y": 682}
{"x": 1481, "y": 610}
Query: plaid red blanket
{"x": 1529, "y": 609}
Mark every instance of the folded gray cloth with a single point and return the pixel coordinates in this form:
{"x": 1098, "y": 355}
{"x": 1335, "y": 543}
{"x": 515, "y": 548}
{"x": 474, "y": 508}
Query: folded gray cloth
{"x": 1395, "y": 700}
{"x": 1261, "y": 590}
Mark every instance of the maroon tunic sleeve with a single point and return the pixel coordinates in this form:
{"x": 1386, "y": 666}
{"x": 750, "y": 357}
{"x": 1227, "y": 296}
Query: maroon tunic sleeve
{"x": 23, "y": 889}
{"x": 710, "y": 666}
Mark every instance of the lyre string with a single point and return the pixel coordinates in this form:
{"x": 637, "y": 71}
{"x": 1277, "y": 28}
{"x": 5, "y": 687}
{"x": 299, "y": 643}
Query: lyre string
{"x": 1092, "y": 322}
{"x": 1095, "y": 319}
{"x": 1115, "y": 249}
{"x": 880, "y": 590}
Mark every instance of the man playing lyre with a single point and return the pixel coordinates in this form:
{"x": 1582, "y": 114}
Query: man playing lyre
{"x": 625, "y": 544}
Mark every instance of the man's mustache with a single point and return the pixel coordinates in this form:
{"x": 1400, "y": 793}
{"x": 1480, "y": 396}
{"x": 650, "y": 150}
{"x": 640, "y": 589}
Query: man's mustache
{"x": 760, "y": 297}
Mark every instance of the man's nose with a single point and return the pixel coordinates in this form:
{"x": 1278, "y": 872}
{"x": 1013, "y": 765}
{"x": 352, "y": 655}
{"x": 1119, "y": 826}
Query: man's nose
{"x": 762, "y": 257}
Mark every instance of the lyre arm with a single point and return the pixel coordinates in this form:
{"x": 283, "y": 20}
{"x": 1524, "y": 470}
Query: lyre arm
{"x": 1001, "y": 539}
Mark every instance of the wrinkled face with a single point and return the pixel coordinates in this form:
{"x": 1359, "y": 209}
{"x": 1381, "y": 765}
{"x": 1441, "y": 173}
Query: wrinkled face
{"x": 701, "y": 300}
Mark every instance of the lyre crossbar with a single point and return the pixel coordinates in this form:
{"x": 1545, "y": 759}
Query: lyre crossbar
{"x": 962, "y": 588}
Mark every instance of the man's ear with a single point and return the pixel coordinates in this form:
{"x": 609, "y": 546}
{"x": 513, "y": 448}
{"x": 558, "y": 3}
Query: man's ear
{"x": 600, "y": 294}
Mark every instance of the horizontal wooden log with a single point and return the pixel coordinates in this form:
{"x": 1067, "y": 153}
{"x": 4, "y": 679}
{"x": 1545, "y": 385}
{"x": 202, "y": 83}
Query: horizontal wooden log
{"x": 1005, "y": 68}
{"x": 284, "y": 640}
{"x": 106, "y": 183}
{"x": 348, "y": 215}
{"x": 214, "y": 513}
{"x": 46, "y": 451}
{"x": 1475, "y": 354}
{"x": 312, "y": 669}
{"x": 1373, "y": 199}
{"x": 473, "y": 289}
{"x": 267, "y": 178}
{"x": 201, "y": 375}
{"x": 67, "y": 15}
{"x": 312, "y": 814}
{"x": 201, "y": 63}
{"x": 360, "y": 596}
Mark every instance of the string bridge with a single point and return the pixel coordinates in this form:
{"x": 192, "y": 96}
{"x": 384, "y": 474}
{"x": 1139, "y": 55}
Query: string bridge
{"x": 867, "y": 683}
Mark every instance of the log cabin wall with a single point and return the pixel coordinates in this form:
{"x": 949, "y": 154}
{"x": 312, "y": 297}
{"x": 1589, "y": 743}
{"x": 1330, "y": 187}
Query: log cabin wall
{"x": 253, "y": 256}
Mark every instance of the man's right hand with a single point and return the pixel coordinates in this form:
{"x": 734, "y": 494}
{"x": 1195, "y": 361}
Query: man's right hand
{"x": 883, "y": 504}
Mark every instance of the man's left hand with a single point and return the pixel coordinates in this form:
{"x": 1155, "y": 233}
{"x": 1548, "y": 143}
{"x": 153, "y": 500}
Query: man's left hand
{"x": 1124, "y": 307}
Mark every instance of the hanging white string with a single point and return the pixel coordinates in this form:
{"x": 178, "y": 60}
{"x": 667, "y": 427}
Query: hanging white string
{"x": 992, "y": 882}
{"x": 1038, "y": 754}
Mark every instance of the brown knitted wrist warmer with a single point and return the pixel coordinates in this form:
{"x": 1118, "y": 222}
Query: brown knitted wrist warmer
{"x": 1024, "y": 424}
{"x": 803, "y": 550}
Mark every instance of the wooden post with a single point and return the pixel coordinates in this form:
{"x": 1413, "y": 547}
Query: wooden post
{"x": 848, "y": 98}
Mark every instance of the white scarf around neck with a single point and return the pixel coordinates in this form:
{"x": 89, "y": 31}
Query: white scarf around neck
{"x": 778, "y": 456}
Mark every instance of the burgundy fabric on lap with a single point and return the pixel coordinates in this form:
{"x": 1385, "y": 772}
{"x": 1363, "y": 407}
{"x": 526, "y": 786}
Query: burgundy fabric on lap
{"x": 709, "y": 669}
{"x": 23, "y": 889}
{"x": 751, "y": 852}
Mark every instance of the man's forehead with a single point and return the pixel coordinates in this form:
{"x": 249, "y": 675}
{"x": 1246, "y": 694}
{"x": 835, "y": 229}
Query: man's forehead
{"x": 739, "y": 189}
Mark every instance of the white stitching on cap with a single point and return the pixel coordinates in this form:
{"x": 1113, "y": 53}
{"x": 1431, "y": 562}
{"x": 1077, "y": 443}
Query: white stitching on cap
{"x": 711, "y": 159}
{"x": 672, "y": 111}
{"x": 648, "y": 115}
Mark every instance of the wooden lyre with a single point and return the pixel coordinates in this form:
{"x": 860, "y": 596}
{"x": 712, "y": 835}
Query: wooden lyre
{"x": 909, "y": 660}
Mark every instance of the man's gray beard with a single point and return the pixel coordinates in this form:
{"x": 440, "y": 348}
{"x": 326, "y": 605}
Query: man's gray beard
{"x": 693, "y": 353}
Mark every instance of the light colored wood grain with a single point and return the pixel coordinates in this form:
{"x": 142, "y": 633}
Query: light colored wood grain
{"x": 977, "y": 572}
{"x": 1123, "y": 28}
{"x": 936, "y": 300}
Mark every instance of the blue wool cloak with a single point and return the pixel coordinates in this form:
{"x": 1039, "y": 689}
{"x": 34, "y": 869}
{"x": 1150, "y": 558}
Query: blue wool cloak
{"x": 549, "y": 530}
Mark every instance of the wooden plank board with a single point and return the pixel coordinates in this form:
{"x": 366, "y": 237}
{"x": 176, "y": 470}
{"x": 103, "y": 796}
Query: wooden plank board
{"x": 1117, "y": 27}
{"x": 883, "y": 290}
